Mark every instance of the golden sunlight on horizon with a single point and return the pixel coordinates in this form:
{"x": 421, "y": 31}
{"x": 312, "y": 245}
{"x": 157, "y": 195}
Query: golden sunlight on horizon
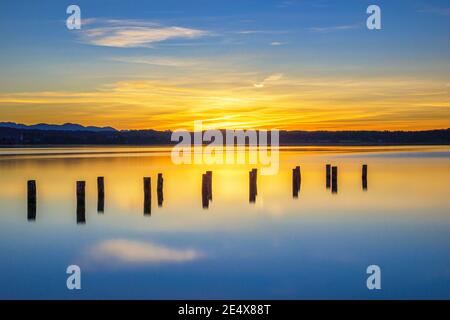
{"x": 286, "y": 104}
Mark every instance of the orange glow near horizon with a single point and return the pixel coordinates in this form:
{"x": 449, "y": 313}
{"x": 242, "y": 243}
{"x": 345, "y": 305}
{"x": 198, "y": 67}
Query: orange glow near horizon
{"x": 286, "y": 104}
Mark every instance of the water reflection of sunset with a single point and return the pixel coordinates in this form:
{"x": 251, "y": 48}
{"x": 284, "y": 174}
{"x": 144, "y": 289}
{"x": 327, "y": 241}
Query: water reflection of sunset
{"x": 390, "y": 182}
{"x": 277, "y": 237}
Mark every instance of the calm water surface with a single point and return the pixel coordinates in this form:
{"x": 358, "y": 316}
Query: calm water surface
{"x": 316, "y": 246}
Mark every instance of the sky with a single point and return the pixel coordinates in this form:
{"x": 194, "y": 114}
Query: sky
{"x": 274, "y": 64}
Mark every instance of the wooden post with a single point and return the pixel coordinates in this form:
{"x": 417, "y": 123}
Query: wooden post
{"x": 255, "y": 177}
{"x": 252, "y": 197}
{"x": 31, "y": 200}
{"x": 296, "y": 181}
{"x": 205, "y": 195}
{"x": 101, "y": 194}
{"x": 364, "y": 176}
{"x": 209, "y": 177}
{"x": 252, "y": 185}
{"x": 328, "y": 176}
{"x": 334, "y": 176}
{"x": 160, "y": 190}
{"x": 147, "y": 196}
{"x": 81, "y": 202}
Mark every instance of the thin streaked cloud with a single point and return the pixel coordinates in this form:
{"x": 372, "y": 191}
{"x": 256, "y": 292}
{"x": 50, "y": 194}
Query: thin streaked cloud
{"x": 262, "y": 32}
{"x": 158, "y": 61}
{"x": 271, "y": 78}
{"x": 333, "y": 28}
{"x": 277, "y": 43}
{"x": 134, "y": 33}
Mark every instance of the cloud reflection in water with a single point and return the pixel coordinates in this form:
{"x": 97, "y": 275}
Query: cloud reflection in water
{"x": 139, "y": 252}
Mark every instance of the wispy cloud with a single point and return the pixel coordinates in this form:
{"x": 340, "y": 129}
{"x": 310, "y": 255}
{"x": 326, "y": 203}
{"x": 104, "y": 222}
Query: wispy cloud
{"x": 133, "y": 33}
{"x": 138, "y": 252}
{"x": 333, "y": 28}
{"x": 271, "y": 78}
{"x": 158, "y": 61}
{"x": 262, "y": 31}
{"x": 276, "y": 43}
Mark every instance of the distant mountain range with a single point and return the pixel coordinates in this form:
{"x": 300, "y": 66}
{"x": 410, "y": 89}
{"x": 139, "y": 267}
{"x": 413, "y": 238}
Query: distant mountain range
{"x": 55, "y": 127}
{"x": 69, "y": 134}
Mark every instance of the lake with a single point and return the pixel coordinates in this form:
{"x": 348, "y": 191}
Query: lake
{"x": 316, "y": 246}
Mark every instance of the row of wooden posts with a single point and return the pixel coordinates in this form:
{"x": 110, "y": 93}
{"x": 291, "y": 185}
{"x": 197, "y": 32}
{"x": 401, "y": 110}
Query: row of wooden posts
{"x": 331, "y": 182}
{"x": 332, "y": 177}
{"x": 148, "y": 193}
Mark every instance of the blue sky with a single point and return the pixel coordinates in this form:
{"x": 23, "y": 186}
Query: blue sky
{"x": 194, "y": 43}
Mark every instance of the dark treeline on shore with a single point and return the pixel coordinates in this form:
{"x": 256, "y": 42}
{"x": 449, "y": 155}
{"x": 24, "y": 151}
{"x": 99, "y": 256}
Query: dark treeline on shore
{"x": 24, "y": 137}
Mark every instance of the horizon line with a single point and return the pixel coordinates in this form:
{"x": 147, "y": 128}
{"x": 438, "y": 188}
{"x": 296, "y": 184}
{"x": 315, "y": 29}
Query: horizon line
{"x": 3, "y": 124}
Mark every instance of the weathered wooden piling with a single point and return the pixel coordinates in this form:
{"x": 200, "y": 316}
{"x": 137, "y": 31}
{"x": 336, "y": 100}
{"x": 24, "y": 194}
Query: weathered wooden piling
{"x": 252, "y": 185}
{"x": 81, "y": 202}
{"x": 147, "y": 196}
{"x": 252, "y": 195}
{"x": 328, "y": 168}
{"x": 31, "y": 200}
{"x": 209, "y": 181}
{"x": 334, "y": 177}
{"x": 364, "y": 176}
{"x": 205, "y": 194}
{"x": 101, "y": 194}
{"x": 159, "y": 190}
{"x": 296, "y": 181}
{"x": 255, "y": 176}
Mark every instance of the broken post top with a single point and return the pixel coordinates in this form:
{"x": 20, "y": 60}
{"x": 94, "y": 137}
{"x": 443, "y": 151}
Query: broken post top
{"x": 100, "y": 183}
{"x": 81, "y": 185}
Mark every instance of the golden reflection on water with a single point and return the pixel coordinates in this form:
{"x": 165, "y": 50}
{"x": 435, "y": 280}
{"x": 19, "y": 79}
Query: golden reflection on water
{"x": 278, "y": 245}
{"x": 404, "y": 185}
